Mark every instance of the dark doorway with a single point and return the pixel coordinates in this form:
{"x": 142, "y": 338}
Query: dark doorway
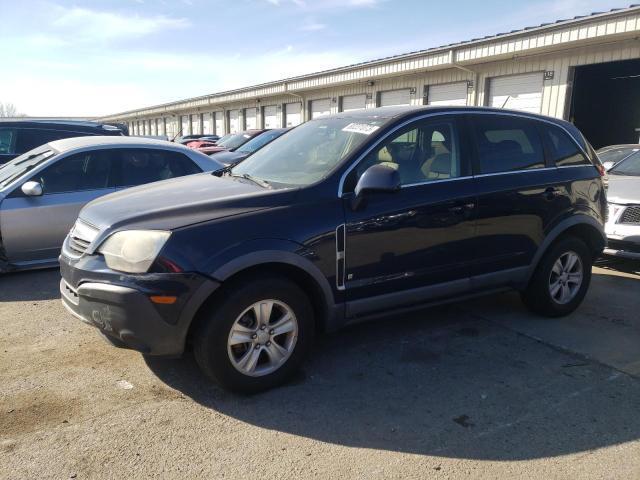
{"x": 605, "y": 103}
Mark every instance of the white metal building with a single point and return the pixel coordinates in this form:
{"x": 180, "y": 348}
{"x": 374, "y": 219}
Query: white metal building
{"x": 585, "y": 69}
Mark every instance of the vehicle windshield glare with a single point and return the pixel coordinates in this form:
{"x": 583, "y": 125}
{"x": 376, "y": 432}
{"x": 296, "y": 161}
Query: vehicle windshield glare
{"x": 309, "y": 152}
{"x": 629, "y": 166}
{"x": 256, "y": 142}
{"x": 234, "y": 141}
{"x": 614, "y": 156}
{"x": 17, "y": 167}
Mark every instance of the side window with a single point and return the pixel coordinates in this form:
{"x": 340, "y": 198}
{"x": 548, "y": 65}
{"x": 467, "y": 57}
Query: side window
{"x": 507, "y": 144}
{"x": 82, "y": 171}
{"x": 140, "y": 166}
{"x": 426, "y": 151}
{"x": 7, "y": 140}
{"x": 30, "y": 138}
{"x": 564, "y": 151}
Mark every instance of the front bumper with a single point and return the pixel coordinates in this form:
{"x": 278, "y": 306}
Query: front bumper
{"x": 623, "y": 240}
{"x": 118, "y": 305}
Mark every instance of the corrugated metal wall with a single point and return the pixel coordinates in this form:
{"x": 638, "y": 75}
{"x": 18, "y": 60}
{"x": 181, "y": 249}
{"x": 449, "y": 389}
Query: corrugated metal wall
{"x": 430, "y": 69}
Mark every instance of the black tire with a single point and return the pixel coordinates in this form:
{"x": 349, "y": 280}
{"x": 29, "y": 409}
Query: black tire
{"x": 210, "y": 339}
{"x": 537, "y": 296}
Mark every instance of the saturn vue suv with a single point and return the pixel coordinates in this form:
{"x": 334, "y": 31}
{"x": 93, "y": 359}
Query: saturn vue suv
{"x": 344, "y": 218}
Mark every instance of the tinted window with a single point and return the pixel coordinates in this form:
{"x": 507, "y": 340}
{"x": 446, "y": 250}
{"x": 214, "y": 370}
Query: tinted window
{"x": 629, "y": 166}
{"x": 30, "y": 138}
{"x": 563, "y": 150}
{"x": 7, "y": 140}
{"x": 82, "y": 171}
{"x": 140, "y": 166}
{"x": 423, "y": 152}
{"x": 507, "y": 144}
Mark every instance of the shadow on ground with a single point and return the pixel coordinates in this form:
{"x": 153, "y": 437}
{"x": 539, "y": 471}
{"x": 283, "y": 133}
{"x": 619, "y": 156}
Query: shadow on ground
{"x": 437, "y": 383}
{"x": 30, "y": 285}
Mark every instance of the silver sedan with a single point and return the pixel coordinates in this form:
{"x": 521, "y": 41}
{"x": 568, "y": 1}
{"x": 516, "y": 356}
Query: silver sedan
{"x": 42, "y": 191}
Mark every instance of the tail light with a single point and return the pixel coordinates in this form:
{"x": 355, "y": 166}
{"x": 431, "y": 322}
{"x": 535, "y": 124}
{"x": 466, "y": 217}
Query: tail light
{"x": 601, "y": 169}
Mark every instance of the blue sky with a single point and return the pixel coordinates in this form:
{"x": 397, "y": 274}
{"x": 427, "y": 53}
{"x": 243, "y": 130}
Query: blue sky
{"x": 92, "y": 58}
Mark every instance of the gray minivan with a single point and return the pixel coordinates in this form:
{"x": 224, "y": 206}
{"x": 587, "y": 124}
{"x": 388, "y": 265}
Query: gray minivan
{"x": 42, "y": 191}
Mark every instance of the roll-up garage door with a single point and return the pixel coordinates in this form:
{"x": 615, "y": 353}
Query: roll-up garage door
{"x": 250, "y": 120}
{"x": 207, "y": 125}
{"x": 233, "y": 121}
{"x": 517, "y": 92}
{"x": 195, "y": 123}
{"x": 395, "y": 97}
{"x": 454, "y": 94}
{"x": 184, "y": 125}
{"x": 354, "y": 102}
{"x": 320, "y": 108}
{"x": 219, "y": 123}
{"x": 270, "y": 117}
{"x": 293, "y": 114}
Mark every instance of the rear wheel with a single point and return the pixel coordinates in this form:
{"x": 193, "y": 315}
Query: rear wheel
{"x": 257, "y": 336}
{"x": 561, "y": 279}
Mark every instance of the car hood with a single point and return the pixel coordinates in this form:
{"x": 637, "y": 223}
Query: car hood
{"x": 623, "y": 189}
{"x": 179, "y": 202}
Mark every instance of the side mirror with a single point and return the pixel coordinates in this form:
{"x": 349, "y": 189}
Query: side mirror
{"x": 378, "y": 178}
{"x": 32, "y": 189}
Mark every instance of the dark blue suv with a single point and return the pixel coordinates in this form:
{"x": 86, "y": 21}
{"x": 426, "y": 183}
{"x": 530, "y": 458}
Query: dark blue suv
{"x": 345, "y": 217}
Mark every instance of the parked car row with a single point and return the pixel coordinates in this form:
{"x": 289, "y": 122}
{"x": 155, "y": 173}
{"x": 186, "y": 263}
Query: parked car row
{"x": 344, "y": 218}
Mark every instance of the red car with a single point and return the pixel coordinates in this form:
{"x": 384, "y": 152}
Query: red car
{"x": 198, "y": 144}
{"x": 232, "y": 143}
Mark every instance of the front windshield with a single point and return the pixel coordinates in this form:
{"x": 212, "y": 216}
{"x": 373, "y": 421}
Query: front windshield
{"x": 630, "y": 166}
{"x": 256, "y": 142}
{"x": 17, "y": 167}
{"x": 309, "y": 152}
{"x": 234, "y": 141}
{"x": 615, "y": 155}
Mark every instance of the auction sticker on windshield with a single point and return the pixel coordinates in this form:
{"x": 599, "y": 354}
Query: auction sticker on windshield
{"x": 363, "y": 128}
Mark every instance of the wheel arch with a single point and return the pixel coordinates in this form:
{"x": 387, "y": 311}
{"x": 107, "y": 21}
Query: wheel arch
{"x": 277, "y": 262}
{"x": 583, "y": 227}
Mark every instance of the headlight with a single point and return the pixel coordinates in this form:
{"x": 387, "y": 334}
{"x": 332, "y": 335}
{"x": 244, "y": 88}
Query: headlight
{"x": 133, "y": 251}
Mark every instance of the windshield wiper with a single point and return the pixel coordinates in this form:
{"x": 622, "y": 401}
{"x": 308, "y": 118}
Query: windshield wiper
{"x": 257, "y": 181}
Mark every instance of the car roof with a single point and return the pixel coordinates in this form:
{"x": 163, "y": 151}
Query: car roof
{"x": 72, "y": 143}
{"x": 67, "y": 124}
{"x": 617, "y": 147}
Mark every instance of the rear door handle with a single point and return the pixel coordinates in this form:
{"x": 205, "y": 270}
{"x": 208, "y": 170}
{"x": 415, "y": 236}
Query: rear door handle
{"x": 551, "y": 192}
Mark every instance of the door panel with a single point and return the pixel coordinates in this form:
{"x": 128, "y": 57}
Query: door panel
{"x": 517, "y": 192}
{"x": 419, "y": 236}
{"x": 33, "y": 228}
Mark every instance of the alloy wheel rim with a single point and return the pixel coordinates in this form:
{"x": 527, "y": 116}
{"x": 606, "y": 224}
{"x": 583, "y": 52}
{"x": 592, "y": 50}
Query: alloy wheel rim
{"x": 566, "y": 278}
{"x": 262, "y": 338}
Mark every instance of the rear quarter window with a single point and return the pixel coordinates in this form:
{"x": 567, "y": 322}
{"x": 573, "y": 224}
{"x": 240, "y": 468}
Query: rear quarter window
{"x": 563, "y": 150}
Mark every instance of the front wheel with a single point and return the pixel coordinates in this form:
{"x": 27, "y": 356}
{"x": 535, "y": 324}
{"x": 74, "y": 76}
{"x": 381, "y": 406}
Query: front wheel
{"x": 561, "y": 279}
{"x": 257, "y": 336}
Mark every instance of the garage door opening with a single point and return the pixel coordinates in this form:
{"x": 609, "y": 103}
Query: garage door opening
{"x": 605, "y": 103}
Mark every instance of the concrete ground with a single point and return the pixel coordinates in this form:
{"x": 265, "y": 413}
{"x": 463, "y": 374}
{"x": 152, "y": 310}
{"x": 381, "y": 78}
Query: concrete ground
{"x": 481, "y": 389}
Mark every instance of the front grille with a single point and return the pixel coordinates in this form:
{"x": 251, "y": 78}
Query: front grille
{"x": 631, "y": 215}
{"x": 77, "y": 245}
{"x": 79, "y": 239}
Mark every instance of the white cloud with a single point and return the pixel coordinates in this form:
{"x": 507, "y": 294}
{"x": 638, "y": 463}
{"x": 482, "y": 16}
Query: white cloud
{"x": 89, "y": 24}
{"x": 312, "y": 26}
{"x": 327, "y": 4}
